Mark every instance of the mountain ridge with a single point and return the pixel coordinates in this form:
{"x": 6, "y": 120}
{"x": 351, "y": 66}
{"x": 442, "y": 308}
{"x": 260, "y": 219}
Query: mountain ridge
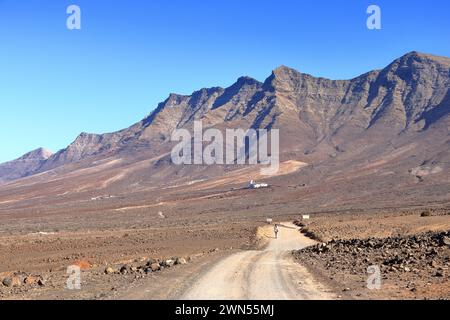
{"x": 408, "y": 95}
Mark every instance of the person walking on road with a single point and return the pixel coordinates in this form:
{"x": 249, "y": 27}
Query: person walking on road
{"x": 275, "y": 230}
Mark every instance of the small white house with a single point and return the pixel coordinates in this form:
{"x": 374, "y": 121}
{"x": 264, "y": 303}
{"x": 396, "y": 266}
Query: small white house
{"x": 254, "y": 185}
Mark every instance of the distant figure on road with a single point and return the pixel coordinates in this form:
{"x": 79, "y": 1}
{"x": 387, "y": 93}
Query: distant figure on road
{"x": 275, "y": 229}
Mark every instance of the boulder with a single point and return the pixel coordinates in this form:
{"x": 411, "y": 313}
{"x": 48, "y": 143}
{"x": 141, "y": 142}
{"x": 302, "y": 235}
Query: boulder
{"x": 109, "y": 270}
{"x": 169, "y": 263}
{"x": 124, "y": 269}
{"x": 446, "y": 241}
{"x": 13, "y": 281}
{"x": 155, "y": 267}
{"x": 181, "y": 261}
{"x": 147, "y": 270}
{"x": 152, "y": 261}
{"x": 31, "y": 280}
{"x": 439, "y": 274}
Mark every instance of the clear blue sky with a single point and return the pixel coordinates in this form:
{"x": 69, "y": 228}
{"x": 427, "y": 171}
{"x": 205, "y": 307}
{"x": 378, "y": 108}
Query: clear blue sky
{"x": 130, "y": 54}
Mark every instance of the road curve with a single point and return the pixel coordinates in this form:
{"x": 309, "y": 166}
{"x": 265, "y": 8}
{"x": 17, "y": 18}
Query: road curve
{"x": 270, "y": 274}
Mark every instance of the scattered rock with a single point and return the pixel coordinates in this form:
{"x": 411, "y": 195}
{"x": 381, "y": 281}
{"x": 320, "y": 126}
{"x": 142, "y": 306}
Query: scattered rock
{"x": 13, "y": 281}
{"x": 400, "y": 258}
{"x": 181, "y": 261}
{"x": 155, "y": 267}
{"x": 31, "y": 280}
{"x": 439, "y": 274}
{"x": 147, "y": 270}
{"x": 109, "y": 270}
{"x": 426, "y": 213}
{"x": 169, "y": 263}
{"x": 83, "y": 264}
{"x": 7, "y": 282}
{"x": 125, "y": 269}
{"x": 446, "y": 241}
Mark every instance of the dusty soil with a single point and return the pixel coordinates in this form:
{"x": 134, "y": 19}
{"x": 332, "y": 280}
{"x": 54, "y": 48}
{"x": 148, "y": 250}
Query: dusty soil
{"x": 46, "y": 252}
{"x": 270, "y": 274}
{"x": 47, "y": 256}
{"x": 377, "y": 223}
{"x": 42, "y": 238}
{"x": 412, "y": 266}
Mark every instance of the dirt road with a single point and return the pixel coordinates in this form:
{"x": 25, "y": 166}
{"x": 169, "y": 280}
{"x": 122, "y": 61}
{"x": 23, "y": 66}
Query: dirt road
{"x": 260, "y": 275}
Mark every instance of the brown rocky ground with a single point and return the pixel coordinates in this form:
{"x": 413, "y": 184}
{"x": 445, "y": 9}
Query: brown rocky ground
{"x": 381, "y": 223}
{"x": 36, "y": 263}
{"x": 45, "y": 229}
{"x": 413, "y": 263}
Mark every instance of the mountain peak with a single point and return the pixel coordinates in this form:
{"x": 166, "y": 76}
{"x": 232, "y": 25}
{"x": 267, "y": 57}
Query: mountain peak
{"x": 415, "y": 56}
{"x": 45, "y": 153}
{"x": 284, "y": 74}
{"x": 283, "y": 78}
{"x": 282, "y": 70}
{"x": 38, "y": 154}
{"x": 246, "y": 81}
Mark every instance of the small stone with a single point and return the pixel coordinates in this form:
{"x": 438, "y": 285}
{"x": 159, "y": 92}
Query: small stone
{"x": 7, "y": 282}
{"x": 155, "y": 267}
{"x": 124, "y": 270}
{"x": 439, "y": 274}
{"x": 169, "y": 263}
{"x": 147, "y": 270}
{"x": 446, "y": 241}
{"x": 30, "y": 280}
{"x": 12, "y": 282}
{"x": 109, "y": 270}
{"x": 181, "y": 261}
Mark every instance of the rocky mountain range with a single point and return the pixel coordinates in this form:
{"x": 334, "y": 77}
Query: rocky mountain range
{"x": 24, "y": 166}
{"x": 397, "y": 118}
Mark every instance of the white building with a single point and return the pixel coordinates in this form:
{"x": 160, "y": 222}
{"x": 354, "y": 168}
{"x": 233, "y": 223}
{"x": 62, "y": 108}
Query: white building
{"x": 254, "y": 185}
